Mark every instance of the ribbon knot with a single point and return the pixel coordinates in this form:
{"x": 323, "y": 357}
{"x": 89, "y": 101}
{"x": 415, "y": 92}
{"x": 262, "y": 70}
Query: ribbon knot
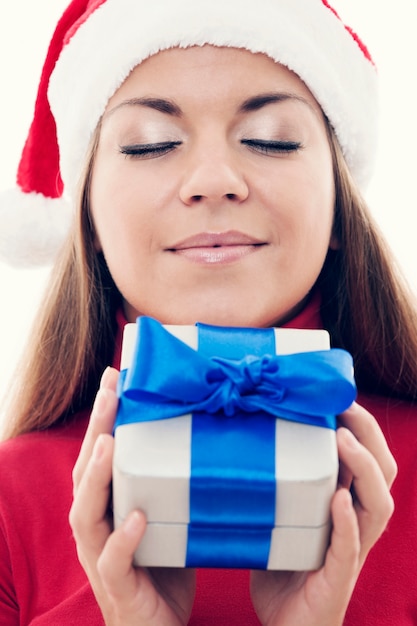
{"x": 241, "y": 384}
{"x": 168, "y": 378}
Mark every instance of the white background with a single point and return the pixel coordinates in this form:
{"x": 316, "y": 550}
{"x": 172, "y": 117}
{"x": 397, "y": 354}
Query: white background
{"x": 386, "y": 27}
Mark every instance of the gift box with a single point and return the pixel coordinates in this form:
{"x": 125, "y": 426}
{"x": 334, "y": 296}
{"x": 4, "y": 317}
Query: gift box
{"x": 225, "y": 438}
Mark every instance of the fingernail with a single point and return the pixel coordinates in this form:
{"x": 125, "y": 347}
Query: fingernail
{"x": 105, "y": 377}
{"x": 132, "y": 524}
{"x": 348, "y": 502}
{"x": 100, "y": 402}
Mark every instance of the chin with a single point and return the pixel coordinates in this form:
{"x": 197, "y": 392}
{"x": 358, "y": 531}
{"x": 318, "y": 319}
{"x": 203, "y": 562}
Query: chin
{"x": 238, "y": 317}
{"x": 220, "y": 311}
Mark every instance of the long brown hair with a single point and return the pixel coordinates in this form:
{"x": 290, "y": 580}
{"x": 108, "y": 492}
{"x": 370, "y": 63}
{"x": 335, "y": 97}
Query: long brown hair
{"x": 366, "y": 306}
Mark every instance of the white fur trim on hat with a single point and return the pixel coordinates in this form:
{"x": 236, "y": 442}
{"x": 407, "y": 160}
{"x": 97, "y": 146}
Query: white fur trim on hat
{"x": 304, "y": 35}
{"x": 33, "y": 227}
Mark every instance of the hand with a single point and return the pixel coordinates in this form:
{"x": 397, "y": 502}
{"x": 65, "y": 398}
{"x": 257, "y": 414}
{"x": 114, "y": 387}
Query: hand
{"x": 320, "y": 598}
{"x": 126, "y": 595}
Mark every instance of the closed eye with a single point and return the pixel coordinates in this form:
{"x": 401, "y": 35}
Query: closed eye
{"x": 148, "y": 150}
{"x": 272, "y": 147}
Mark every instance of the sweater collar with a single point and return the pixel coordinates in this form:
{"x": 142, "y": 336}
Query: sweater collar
{"x": 308, "y": 318}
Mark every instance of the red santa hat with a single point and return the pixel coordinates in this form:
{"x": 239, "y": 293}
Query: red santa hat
{"x": 98, "y": 42}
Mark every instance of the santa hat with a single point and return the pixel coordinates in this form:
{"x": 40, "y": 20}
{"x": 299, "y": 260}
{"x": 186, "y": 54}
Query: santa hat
{"x": 98, "y": 42}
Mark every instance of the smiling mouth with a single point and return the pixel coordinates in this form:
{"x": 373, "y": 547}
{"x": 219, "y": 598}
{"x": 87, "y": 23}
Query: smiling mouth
{"x": 217, "y": 248}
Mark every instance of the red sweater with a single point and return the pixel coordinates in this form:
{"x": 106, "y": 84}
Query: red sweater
{"x": 42, "y": 583}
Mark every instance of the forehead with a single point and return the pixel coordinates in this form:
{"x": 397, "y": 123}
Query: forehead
{"x": 207, "y": 73}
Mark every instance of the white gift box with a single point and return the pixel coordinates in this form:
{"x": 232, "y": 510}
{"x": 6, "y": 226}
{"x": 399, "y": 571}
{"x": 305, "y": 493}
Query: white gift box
{"x": 152, "y": 466}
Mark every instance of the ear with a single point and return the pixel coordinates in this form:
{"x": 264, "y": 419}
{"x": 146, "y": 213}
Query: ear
{"x": 93, "y": 231}
{"x": 334, "y": 243}
{"x": 94, "y": 237}
{"x": 97, "y": 242}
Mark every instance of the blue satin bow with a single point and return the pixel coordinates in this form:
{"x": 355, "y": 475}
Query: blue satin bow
{"x": 167, "y": 378}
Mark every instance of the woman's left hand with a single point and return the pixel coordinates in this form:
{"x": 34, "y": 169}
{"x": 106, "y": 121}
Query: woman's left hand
{"x": 320, "y": 598}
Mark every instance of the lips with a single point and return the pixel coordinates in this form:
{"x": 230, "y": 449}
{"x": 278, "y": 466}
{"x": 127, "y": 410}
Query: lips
{"x": 216, "y": 240}
{"x": 217, "y": 248}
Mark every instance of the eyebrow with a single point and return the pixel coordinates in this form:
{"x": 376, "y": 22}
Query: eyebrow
{"x": 158, "y": 104}
{"x": 169, "y": 107}
{"x": 259, "y": 101}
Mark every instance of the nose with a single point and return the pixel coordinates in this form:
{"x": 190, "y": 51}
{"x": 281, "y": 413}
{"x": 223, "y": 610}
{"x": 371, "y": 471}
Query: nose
{"x": 213, "y": 176}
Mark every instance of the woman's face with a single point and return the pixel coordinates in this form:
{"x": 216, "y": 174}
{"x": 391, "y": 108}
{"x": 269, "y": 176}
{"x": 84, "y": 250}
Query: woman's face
{"x": 212, "y": 192}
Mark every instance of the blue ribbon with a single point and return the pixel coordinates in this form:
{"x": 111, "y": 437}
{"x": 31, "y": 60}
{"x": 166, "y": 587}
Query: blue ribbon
{"x": 232, "y": 396}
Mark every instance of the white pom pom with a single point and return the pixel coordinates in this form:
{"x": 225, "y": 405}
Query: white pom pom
{"x": 32, "y": 227}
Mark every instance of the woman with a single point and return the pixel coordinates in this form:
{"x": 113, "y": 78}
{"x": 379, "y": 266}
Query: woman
{"x": 220, "y": 185}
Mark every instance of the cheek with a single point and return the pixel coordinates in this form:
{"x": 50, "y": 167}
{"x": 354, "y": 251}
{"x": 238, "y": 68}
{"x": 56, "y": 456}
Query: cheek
{"x": 117, "y": 205}
{"x": 123, "y": 190}
{"x": 304, "y": 229}
{"x": 318, "y": 190}
{"x": 303, "y": 212}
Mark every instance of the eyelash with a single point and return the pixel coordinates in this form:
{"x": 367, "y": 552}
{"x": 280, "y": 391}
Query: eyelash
{"x": 154, "y": 150}
{"x": 272, "y": 147}
{"x": 149, "y": 150}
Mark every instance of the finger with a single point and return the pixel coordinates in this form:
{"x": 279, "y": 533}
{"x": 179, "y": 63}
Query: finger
{"x": 367, "y": 430}
{"x": 109, "y": 379}
{"x": 331, "y": 586}
{"x": 345, "y": 477}
{"x": 122, "y": 582}
{"x": 342, "y": 558}
{"x": 374, "y": 504}
{"x": 88, "y": 519}
{"x": 101, "y": 421}
{"x": 158, "y": 596}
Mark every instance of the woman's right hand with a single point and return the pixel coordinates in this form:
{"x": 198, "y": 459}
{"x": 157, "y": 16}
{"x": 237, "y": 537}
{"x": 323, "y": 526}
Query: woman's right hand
{"x": 126, "y": 595}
